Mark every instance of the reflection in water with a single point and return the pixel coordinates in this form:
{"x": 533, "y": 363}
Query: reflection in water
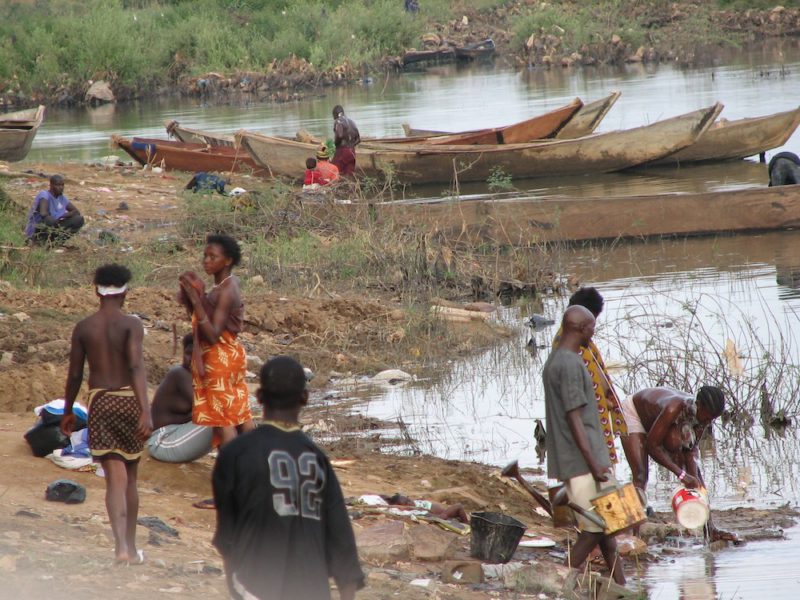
{"x": 753, "y": 571}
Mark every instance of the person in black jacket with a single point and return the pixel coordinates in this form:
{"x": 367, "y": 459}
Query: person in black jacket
{"x": 282, "y": 524}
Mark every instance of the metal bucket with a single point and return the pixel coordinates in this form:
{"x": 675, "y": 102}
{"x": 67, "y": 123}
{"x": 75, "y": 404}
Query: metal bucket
{"x": 620, "y": 507}
{"x": 495, "y": 536}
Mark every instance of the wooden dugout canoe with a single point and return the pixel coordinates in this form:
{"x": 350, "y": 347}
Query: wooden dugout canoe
{"x": 178, "y": 156}
{"x": 17, "y": 130}
{"x": 420, "y": 163}
{"x": 728, "y": 140}
{"x": 583, "y": 122}
{"x": 196, "y": 136}
{"x": 536, "y": 128}
{"x": 524, "y": 221}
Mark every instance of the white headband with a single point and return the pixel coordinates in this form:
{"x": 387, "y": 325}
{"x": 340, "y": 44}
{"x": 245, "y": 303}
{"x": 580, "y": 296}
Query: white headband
{"x": 110, "y": 290}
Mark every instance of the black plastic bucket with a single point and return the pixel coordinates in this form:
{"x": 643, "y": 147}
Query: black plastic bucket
{"x": 495, "y": 536}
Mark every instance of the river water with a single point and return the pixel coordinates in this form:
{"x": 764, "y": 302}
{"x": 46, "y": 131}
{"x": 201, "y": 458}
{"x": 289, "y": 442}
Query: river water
{"x": 675, "y": 302}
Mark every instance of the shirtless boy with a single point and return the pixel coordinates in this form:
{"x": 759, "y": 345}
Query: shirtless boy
{"x": 119, "y": 415}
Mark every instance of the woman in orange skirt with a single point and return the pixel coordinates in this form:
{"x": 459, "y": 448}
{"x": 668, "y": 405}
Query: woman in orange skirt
{"x": 218, "y": 360}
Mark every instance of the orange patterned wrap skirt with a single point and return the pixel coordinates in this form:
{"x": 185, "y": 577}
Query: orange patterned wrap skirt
{"x": 220, "y": 395}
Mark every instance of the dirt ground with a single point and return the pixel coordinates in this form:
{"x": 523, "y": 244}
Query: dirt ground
{"x": 44, "y": 544}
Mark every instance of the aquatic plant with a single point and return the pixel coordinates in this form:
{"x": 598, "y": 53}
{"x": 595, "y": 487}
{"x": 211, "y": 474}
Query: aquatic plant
{"x": 499, "y": 180}
{"x": 710, "y": 340}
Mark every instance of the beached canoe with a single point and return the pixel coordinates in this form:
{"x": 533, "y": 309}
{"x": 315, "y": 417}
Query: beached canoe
{"x": 17, "y": 130}
{"x": 423, "y": 163}
{"x": 196, "y": 136}
{"x": 179, "y": 156}
{"x": 536, "y": 128}
{"x": 519, "y": 220}
{"x": 728, "y": 140}
{"x": 583, "y": 122}
{"x": 479, "y": 50}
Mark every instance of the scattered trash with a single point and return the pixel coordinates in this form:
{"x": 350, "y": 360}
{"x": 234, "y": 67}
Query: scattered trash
{"x": 65, "y": 490}
{"x": 157, "y": 525}
{"x": 392, "y": 376}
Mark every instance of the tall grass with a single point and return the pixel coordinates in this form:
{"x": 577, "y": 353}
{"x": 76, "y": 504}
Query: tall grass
{"x": 61, "y": 44}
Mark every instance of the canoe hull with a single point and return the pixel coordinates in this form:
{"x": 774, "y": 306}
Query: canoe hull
{"x": 196, "y": 136}
{"x": 729, "y": 140}
{"x": 17, "y": 131}
{"x": 535, "y": 128}
{"x": 192, "y": 158}
{"x": 524, "y": 221}
{"x": 421, "y": 163}
{"x": 583, "y": 122}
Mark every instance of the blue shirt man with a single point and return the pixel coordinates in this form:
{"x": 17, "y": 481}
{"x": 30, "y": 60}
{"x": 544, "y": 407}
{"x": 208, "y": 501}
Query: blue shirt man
{"x": 52, "y": 216}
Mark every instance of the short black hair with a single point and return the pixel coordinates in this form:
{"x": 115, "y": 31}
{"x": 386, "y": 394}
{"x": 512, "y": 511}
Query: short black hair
{"x": 112, "y": 275}
{"x": 283, "y": 382}
{"x": 311, "y": 163}
{"x": 588, "y": 297}
{"x": 188, "y": 340}
{"x": 712, "y": 399}
{"x": 56, "y": 179}
{"x": 337, "y": 110}
{"x": 230, "y": 247}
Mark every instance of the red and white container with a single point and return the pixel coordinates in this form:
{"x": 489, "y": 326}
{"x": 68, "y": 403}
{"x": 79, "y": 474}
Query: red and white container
{"x": 690, "y": 507}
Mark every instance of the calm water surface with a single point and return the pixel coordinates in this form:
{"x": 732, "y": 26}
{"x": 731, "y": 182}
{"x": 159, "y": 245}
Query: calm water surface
{"x": 672, "y": 299}
{"x": 450, "y": 98}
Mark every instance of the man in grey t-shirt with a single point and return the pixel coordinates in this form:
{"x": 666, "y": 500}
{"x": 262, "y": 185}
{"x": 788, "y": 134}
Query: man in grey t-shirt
{"x": 576, "y": 451}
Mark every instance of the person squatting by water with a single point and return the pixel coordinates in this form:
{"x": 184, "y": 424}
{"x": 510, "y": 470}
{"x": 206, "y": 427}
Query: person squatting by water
{"x": 52, "y": 217}
{"x": 119, "y": 414}
{"x": 282, "y": 524}
{"x": 175, "y": 438}
{"x": 576, "y": 451}
{"x": 667, "y": 424}
{"x": 345, "y": 137}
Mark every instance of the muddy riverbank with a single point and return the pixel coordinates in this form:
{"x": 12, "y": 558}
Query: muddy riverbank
{"x": 332, "y": 329}
{"x": 684, "y": 33}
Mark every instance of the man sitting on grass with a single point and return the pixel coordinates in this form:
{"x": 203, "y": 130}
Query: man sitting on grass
{"x": 53, "y": 218}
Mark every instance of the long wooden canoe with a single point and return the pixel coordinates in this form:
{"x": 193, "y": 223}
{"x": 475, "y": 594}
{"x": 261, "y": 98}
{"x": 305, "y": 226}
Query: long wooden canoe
{"x": 727, "y": 140}
{"x": 583, "y": 122}
{"x": 196, "y": 136}
{"x": 535, "y": 128}
{"x": 193, "y": 158}
{"x": 419, "y": 163}
{"x": 542, "y": 220}
{"x": 17, "y": 130}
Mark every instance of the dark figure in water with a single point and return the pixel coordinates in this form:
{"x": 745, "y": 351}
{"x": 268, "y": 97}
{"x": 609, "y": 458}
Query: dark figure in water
{"x": 784, "y": 169}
